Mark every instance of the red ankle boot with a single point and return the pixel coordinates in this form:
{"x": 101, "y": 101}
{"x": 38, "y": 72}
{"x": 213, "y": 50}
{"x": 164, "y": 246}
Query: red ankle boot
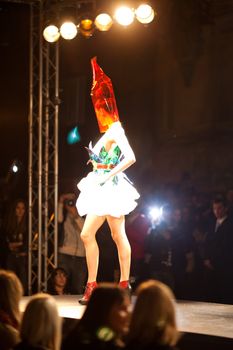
{"x": 88, "y": 291}
{"x": 125, "y": 285}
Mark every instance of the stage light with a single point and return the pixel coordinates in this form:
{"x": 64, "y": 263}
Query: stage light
{"x": 103, "y": 22}
{"x": 68, "y": 30}
{"x": 83, "y": 22}
{"x": 145, "y": 14}
{"x": 86, "y": 26}
{"x": 15, "y": 169}
{"x": 51, "y": 33}
{"x": 124, "y": 16}
{"x": 156, "y": 213}
{"x": 15, "y": 166}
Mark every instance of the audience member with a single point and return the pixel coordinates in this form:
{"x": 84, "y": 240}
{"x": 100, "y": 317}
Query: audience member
{"x": 71, "y": 251}
{"x": 16, "y": 237}
{"x": 11, "y": 291}
{"x": 160, "y": 255}
{"x": 169, "y": 257}
{"x": 218, "y": 259}
{"x": 182, "y": 254}
{"x": 137, "y": 228}
{"x": 41, "y": 325}
{"x": 153, "y": 321}
{"x": 229, "y": 197}
{"x": 196, "y": 283}
{"x": 3, "y": 247}
{"x": 58, "y": 283}
{"x": 105, "y": 321}
{"x": 3, "y": 207}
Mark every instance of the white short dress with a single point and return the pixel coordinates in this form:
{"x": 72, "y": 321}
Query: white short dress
{"x": 117, "y": 196}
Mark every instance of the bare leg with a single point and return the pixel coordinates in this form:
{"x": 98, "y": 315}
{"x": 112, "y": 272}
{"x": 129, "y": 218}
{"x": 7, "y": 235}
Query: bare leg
{"x": 117, "y": 227}
{"x": 91, "y": 225}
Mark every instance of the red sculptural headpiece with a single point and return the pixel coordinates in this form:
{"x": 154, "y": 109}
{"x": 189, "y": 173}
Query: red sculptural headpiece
{"x": 103, "y": 98}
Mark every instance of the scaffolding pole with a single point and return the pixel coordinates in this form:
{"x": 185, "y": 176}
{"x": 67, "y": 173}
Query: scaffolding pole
{"x": 43, "y": 153}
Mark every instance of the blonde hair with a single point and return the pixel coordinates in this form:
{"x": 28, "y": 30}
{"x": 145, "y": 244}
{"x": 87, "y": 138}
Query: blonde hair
{"x": 41, "y": 323}
{"x": 153, "y": 318}
{"x": 11, "y": 291}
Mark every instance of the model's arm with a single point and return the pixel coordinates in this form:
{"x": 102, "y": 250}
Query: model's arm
{"x": 129, "y": 158}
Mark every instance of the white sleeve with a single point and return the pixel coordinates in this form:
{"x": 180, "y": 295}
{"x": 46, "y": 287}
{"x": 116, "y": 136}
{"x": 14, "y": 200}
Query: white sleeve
{"x": 118, "y": 135}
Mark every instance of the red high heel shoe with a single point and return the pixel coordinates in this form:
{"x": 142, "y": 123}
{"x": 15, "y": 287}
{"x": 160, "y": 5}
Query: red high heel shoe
{"x": 125, "y": 285}
{"x": 88, "y": 291}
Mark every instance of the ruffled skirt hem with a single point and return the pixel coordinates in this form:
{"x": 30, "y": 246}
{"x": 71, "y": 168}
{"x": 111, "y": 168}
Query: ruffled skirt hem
{"x": 115, "y": 198}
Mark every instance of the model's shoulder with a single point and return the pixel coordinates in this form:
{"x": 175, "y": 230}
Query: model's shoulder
{"x": 115, "y": 130}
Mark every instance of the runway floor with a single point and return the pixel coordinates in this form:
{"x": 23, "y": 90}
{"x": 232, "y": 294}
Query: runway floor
{"x": 192, "y": 317}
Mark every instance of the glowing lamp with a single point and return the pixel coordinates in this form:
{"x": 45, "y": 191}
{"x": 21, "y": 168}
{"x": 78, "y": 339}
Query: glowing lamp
{"x": 103, "y": 22}
{"x": 51, "y": 33}
{"x": 145, "y": 14}
{"x": 124, "y": 16}
{"x": 15, "y": 166}
{"x": 156, "y": 213}
{"x": 15, "y": 169}
{"x": 68, "y": 30}
{"x": 86, "y": 27}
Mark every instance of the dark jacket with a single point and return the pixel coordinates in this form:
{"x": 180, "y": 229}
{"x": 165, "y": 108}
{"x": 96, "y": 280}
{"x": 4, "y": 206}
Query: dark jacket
{"x": 219, "y": 246}
{"x": 25, "y": 346}
{"x": 79, "y": 339}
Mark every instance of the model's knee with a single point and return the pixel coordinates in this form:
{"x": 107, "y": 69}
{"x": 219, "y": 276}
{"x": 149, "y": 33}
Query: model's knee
{"x": 86, "y": 237}
{"x": 119, "y": 237}
{"x": 115, "y": 236}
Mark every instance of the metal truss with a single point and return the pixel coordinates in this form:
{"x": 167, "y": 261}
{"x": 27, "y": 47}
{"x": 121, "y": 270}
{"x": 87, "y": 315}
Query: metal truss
{"x": 43, "y": 144}
{"x": 43, "y": 148}
{"x": 43, "y": 153}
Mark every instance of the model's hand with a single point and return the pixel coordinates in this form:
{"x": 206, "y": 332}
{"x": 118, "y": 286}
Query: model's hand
{"x": 102, "y": 179}
{"x": 93, "y": 162}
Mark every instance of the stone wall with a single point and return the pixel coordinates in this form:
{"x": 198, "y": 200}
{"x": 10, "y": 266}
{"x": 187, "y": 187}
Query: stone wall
{"x": 193, "y": 75}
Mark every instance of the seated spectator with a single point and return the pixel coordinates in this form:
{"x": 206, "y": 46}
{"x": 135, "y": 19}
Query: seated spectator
{"x": 153, "y": 323}
{"x": 11, "y": 291}
{"x": 16, "y": 237}
{"x": 58, "y": 282}
{"x": 105, "y": 320}
{"x": 41, "y": 325}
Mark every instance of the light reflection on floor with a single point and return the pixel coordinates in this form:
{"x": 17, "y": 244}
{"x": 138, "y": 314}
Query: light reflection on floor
{"x": 193, "y": 317}
{"x": 68, "y": 305}
{"x": 205, "y": 318}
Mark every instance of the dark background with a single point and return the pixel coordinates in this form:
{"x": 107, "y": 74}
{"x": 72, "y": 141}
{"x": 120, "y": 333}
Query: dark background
{"x": 173, "y": 85}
